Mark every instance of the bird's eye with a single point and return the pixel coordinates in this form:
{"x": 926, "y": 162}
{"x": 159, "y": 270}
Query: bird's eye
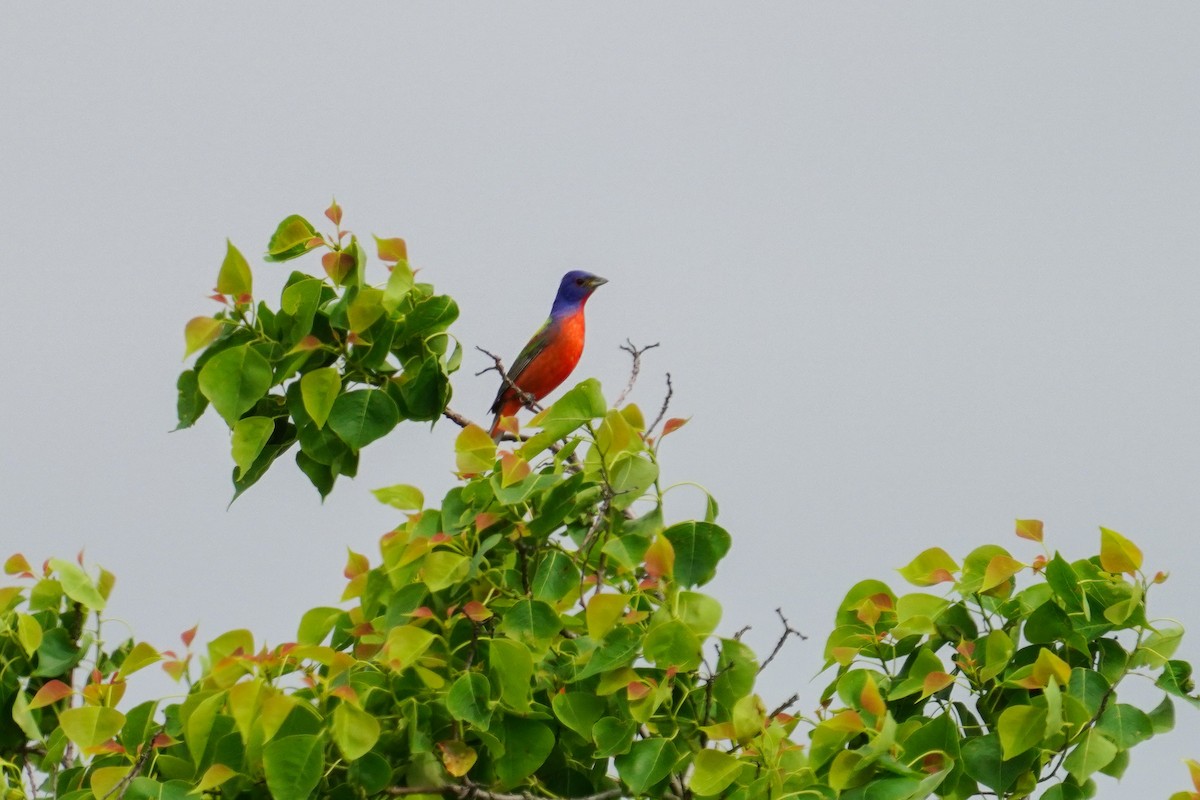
{"x": 579, "y": 281}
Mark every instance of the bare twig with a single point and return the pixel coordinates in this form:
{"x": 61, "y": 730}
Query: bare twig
{"x": 788, "y": 630}
{"x": 784, "y": 706}
{"x": 123, "y": 785}
{"x": 457, "y": 418}
{"x": 662, "y": 412}
{"x": 636, "y": 353}
{"x": 737, "y": 637}
{"x": 470, "y": 791}
{"x": 527, "y": 400}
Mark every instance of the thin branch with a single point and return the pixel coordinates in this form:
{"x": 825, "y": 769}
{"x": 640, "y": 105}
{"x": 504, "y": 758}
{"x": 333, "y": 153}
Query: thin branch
{"x": 527, "y": 400}
{"x": 784, "y": 706}
{"x": 737, "y": 637}
{"x": 662, "y": 412}
{"x": 788, "y": 630}
{"x": 123, "y": 785}
{"x": 455, "y": 417}
{"x": 636, "y": 353}
{"x": 472, "y": 792}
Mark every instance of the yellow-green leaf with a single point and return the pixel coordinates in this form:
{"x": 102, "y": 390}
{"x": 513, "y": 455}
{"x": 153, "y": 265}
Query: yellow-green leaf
{"x": 1118, "y": 554}
{"x": 1030, "y": 529}
{"x": 1020, "y": 728}
{"x": 474, "y": 451}
{"x": 142, "y": 655}
{"x": 213, "y": 777}
{"x": 318, "y": 389}
{"x": 199, "y": 333}
{"x": 250, "y": 436}
{"x": 90, "y": 725}
{"x": 932, "y": 566}
{"x": 354, "y": 730}
{"x": 29, "y": 633}
{"x": 999, "y": 570}
{"x": 234, "y": 278}
{"x": 77, "y": 585}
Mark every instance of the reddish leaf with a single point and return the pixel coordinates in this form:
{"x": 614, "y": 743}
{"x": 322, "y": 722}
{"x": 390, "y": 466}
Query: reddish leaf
{"x": 424, "y": 612}
{"x": 188, "y": 635}
{"x": 16, "y": 564}
{"x": 476, "y": 611}
{"x": 673, "y": 424}
{"x": 637, "y": 690}
{"x": 660, "y": 558}
{"x": 346, "y": 693}
{"x": 51, "y": 692}
{"x": 338, "y": 265}
{"x": 163, "y": 740}
{"x": 334, "y": 213}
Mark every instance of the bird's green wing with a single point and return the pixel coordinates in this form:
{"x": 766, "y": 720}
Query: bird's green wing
{"x": 531, "y": 350}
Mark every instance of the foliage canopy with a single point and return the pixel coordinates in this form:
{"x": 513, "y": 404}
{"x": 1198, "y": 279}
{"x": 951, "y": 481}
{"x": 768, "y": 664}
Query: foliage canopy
{"x": 542, "y": 630}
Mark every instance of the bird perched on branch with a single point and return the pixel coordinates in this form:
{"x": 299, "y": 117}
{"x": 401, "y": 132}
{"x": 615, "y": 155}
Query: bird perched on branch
{"x": 552, "y": 353}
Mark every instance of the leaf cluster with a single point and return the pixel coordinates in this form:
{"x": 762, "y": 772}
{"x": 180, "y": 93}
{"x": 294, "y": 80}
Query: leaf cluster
{"x": 336, "y": 365}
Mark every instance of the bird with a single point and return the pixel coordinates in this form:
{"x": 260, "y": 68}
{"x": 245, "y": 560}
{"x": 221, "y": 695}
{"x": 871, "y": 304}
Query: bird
{"x": 552, "y": 353}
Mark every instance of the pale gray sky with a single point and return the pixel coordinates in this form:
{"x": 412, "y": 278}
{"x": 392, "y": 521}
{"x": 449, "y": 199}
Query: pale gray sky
{"x": 917, "y": 270}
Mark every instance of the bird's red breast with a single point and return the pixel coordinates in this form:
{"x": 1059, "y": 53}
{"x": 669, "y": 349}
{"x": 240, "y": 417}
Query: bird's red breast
{"x": 550, "y": 367}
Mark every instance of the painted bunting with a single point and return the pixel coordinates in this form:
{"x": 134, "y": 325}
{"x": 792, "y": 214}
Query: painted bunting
{"x": 553, "y": 351}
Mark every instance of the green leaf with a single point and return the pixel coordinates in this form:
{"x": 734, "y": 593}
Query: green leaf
{"x": 531, "y": 621}
{"x": 1125, "y": 725}
{"x": 292, "y": 238}
{"x": 699, "y": 612}
{"x": 510, "y": 666}
{"x": 401, "y": 496}
{"x": 983, "y": 760}
{"x": 647, "y": 762}
{"x": 89, "y": 726}
{"x": 362, "y": 416}
{"x": 579, "y": 711}
{"x": 698, "y": 548}
{"x": 714, "y": 770}
{"x": 579, "y": 405}
{"x": 77, "y": 585}
{"x": 468, "y": 700}
{"x": 318, "y": 390}
{"x": 354, "y": 730}
{"x": 672, "y": 644}
{"x": 234, "y": 380}
{"x": 556, "y": 576}
{"x": 1091, "y": 754}
{"x": 526, "y": 746}
{"x": 1020, "y": 728}
{"x": 234, "y": 279}
{"x": 630, "y": 476}
{"x": 250, "y": 435}
{"x": 613, "y": 736}
{"x": 400, "y": 283}
{"x": 190, "y": 402}
{"x": 1162, "y": 718}
{"x": 293, "y": 766}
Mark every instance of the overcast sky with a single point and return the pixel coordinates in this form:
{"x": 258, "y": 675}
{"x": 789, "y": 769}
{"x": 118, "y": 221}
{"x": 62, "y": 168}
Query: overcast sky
{"x": 917, "y": 270}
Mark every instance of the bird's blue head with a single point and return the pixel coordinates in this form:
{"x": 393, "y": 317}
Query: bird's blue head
{"x": 574, "y": 290}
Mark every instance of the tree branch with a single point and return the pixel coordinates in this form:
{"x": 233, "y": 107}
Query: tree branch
{"x": 636, "y": 353}
{"x": 527, "y": 400}
{"x": 788, "y": 630}
{"x": 662, "y": 412}
{"x": 784, "y": 706}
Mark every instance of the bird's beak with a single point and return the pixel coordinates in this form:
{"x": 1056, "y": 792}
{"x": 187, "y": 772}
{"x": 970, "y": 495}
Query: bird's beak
{"x": 596, "y": 281}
